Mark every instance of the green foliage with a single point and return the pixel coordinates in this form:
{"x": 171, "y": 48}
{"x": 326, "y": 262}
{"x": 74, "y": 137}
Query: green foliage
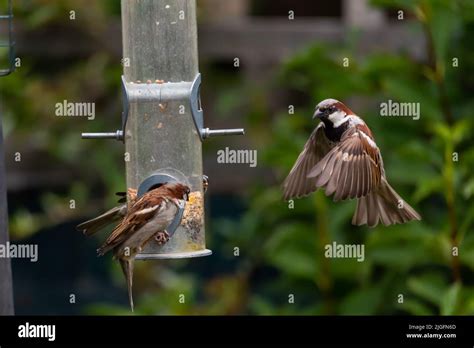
{"x": 282, "y": 249}
{"x": 30, "y": 95}
{"x": 414, "y": 260}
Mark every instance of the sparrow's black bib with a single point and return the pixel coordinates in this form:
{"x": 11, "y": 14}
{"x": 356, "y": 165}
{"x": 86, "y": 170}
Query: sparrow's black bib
{"x": 334, "y": 133}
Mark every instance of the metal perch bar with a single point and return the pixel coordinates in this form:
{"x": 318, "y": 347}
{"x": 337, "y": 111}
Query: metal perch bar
{"x": 106, "y": 135}
{"x": 209, "y": 133}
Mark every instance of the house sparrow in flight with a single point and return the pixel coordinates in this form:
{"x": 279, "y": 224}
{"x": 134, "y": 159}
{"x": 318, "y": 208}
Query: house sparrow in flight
{"x": 113, "y": 215}
{"x": 341, "y": 157}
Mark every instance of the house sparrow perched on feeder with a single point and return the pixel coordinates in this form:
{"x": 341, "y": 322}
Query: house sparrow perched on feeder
{"x": 113, "y": 215}
{"x": 341, "y": 157}
{"x": 147, "y": 218}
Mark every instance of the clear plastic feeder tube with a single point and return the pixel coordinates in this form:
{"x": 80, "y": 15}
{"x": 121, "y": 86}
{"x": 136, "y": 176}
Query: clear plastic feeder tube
{"x": 160, "y": 47}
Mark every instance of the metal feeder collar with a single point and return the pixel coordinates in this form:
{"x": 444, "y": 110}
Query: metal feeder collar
{"x": 162, "y": 93}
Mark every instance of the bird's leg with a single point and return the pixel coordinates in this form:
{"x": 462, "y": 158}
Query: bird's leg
{"x": 162, "y": 237}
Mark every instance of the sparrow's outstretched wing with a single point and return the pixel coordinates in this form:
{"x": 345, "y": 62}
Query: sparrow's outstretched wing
{"x": 139, "y": 214}
{"x": 352, "y": 169}
{"x": 297, "y": 184}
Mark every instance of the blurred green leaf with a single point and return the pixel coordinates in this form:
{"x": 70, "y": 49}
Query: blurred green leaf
{"x": 428, "y": 187}
{"x": 450, "y": 299}
{"x": 429, "y": 287}
{"x": 285, "y": 249}
{"x": 415, "y": 307}
{"x": 443, "y": 20}
{"x": 362, "y": 302}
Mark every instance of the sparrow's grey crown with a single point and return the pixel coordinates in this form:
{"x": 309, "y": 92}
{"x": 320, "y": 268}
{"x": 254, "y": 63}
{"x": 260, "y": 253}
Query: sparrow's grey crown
{"x": 323, "y": 109}
{"x": 326, "y": 103}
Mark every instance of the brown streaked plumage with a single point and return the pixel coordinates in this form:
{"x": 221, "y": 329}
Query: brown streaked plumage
{"x": 342, "y": 158}
{"x": 143, "y": 219}
{"x": 94, "y": 225}
{"x": 147, "y": 218}
{"x": 151, "y": 205}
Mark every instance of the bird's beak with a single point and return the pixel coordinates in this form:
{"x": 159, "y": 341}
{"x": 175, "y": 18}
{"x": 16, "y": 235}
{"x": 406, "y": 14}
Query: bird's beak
{"x": 317, "y": 114}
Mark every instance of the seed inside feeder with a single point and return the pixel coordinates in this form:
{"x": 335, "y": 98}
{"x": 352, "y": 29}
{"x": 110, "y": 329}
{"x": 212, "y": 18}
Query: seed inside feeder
{"x": 193, "y": 217}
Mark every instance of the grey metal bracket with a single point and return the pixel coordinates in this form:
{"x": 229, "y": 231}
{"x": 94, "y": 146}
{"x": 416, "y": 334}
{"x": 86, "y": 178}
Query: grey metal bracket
{"x": 161, "y": 93}
{"x": 198, "y": 114}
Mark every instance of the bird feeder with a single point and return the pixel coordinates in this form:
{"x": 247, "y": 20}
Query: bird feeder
{"x": 162, "y": 120}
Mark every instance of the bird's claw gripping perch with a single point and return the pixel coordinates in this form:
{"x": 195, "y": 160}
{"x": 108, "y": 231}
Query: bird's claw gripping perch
{"x": 162, "y": 237}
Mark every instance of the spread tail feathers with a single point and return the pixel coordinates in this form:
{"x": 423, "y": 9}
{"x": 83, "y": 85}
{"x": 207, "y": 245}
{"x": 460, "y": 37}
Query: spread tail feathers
{"x": 127, "y": 268}
{"x": 384, "y": 205}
